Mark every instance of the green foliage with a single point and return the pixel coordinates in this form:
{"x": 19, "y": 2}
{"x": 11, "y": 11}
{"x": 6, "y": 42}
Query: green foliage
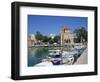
{"x": 50, "y": 40}
{"x": 39, "y": 36}
{"x": 45, "y": 39}
{"x": 81, "y": 34}
{"x": 57, "y": 39}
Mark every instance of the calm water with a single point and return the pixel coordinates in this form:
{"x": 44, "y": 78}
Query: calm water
{"x": 35, "y": 55}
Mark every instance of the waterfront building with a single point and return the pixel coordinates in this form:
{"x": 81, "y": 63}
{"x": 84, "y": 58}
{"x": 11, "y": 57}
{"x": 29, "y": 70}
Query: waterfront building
{"x": 31, "y": 40}
{"x": 67, "y": 36}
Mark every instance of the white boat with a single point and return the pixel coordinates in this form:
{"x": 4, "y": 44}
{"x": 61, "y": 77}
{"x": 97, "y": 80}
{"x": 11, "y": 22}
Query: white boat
{"x": 68, "y": 53}
{"x": 68, "y": 60}
{"x": 54, "y": 52}
{"x": 67, "y": 57}
{"x": 51, "y": 62}
{"x": 55, "y": 58}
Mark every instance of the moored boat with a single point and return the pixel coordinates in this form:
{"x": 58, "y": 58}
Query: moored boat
{"x": 61, "y": 57}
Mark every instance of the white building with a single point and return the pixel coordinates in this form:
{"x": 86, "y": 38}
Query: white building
{"x": 31, "y": 40}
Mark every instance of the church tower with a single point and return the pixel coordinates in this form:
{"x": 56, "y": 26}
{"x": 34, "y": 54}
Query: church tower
{"x": 66, "y": 36}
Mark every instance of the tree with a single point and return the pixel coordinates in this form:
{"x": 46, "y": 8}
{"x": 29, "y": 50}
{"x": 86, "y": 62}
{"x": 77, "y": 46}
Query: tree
{"x": 39, "y": 36}
{"x": 57, "y": 39}
{"x": 45, "y": 39}
{"x": 50, "y": 40}
{"x": 81, "y": 34}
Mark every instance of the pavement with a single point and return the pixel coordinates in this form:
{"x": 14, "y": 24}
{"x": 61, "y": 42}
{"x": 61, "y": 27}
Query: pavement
{"x": 83, "y": 59}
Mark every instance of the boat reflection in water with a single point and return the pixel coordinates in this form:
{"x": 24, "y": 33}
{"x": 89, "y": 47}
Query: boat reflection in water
{"x": 50, "y": 56}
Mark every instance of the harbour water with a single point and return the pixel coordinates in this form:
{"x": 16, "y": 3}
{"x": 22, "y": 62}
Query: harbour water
{"x": 37, "y": 54}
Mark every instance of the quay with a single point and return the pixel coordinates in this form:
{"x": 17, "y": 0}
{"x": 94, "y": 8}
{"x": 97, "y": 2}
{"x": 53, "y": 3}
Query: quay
{"x": 83, "y": 59}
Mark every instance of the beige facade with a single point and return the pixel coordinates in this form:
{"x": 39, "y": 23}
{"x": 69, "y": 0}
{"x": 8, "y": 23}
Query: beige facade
{"x": 31, "y": 40}
{"x": 66, "y": 36}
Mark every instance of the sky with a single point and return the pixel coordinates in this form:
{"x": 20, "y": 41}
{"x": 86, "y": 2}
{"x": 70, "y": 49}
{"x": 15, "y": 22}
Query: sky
{"x": 52, "y": 24}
